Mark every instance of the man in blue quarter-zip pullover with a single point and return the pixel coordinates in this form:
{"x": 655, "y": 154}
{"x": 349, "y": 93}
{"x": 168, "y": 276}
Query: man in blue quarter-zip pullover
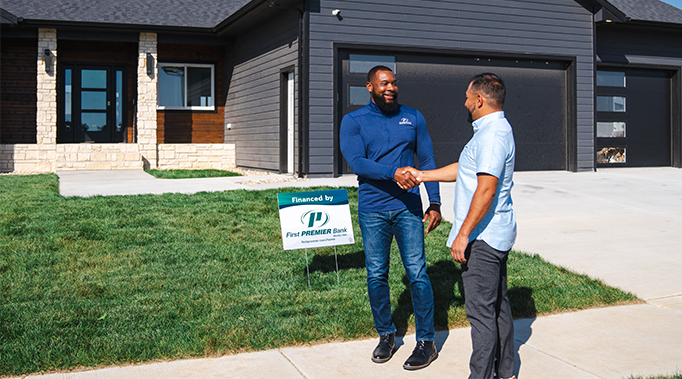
{"x": 379, "y": 142}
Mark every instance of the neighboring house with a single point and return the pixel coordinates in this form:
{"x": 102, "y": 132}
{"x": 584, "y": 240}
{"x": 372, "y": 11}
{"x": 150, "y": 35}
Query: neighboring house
{"x": 264, "y": 83}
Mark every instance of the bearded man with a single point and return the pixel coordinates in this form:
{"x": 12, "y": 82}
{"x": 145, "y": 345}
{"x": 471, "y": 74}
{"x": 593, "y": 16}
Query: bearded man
{"x": 379, "y": 142}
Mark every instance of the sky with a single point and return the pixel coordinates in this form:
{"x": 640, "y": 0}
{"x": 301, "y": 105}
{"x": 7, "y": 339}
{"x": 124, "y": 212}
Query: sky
{"x": 677, "y": 3}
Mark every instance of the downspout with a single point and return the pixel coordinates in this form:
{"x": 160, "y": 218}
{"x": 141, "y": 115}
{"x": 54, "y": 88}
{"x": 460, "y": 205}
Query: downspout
{"x": 302, "y": 88}
{"x": 594, "y": 93}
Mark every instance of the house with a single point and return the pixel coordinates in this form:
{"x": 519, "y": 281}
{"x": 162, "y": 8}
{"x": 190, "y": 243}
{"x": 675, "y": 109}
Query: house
{"x": 264, "y": 83}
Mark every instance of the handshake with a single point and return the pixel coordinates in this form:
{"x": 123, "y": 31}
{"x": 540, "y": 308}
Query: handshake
{"x": 408, "y": 177}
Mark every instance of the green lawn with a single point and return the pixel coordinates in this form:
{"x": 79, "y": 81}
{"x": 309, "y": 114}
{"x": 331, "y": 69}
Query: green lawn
{"x": 107, "y": 280}
{"x": 674, "y": 376}
{"x": 185, "y": 174}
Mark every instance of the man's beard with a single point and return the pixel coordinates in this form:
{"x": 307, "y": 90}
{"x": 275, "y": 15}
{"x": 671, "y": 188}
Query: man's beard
{"x": 470, "y": 118}
{"x": 380, "y": 101}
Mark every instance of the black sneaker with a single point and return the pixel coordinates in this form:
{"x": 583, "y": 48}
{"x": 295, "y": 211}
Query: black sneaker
{"x": 422, "y": 355}
{"x": 385, "y": 348}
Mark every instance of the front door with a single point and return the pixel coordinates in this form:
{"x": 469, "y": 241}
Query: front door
{"x": 93, "y": 104}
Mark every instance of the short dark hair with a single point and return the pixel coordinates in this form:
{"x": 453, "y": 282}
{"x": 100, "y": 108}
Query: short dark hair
{"x": 491, "y": 86}
{"x": 373, "y": 71}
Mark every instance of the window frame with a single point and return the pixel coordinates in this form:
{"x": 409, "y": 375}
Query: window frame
{"x": 185, "y": 66}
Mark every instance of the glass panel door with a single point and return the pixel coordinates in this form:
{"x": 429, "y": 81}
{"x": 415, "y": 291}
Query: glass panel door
{"x": 94, "y": 104}
{"x": 93, "y": 107}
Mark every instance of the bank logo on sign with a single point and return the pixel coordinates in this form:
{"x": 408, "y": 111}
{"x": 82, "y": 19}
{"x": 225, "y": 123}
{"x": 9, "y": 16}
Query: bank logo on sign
{"x": 315, "y": 218}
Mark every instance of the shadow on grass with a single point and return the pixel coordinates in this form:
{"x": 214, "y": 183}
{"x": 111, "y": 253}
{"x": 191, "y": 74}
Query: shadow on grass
{"x": 445, "y": 277}
{"x": 327, "y": 263}
{"x": 446, "y": 281}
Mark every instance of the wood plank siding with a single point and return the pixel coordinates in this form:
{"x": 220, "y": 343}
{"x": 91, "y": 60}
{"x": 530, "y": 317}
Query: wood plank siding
{"x": 101, "y": 53}
{"x": 182, "y": 126}
{"x": 252, "y": 83}
{"x": 18, "y": 87}
{"x": 521, "y": 28}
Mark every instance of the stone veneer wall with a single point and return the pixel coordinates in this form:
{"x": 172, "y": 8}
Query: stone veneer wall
{"x": 146, "y": 99}
{"x": 196, "y": 156}
{"x": 98, "y": 156}
{"x": 28, "y": 158}
{"x": 37, "y": 158}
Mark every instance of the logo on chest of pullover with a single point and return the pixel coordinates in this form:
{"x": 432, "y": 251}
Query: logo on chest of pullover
{"x": 405, "y": 121}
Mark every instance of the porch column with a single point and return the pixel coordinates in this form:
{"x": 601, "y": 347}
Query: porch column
{"x": 146, "y": 100}
{"x": 46, "y": 116}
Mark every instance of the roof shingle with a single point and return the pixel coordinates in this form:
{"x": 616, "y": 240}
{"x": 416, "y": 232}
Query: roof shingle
{"x": 195, "y": 13}
{"x": 649, "y": 10}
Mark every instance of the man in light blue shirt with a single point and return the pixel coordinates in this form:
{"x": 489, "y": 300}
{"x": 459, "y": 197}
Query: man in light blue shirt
{"x": 485, "y": 226}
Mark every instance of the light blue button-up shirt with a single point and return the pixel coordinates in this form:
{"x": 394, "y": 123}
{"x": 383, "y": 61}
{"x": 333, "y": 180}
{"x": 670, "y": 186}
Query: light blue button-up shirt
{"x": 490, "y": 151}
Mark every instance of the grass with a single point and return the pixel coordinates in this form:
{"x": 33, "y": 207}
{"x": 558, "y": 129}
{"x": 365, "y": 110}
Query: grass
{"x": 121, "y": 279}
{"x": 187, "y": 174}
{"x": 673, "y": 376}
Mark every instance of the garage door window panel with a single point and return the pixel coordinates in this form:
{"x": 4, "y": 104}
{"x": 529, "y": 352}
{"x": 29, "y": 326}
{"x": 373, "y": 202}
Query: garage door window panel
{"x": 359, "y": 95}
{"x": 362, "y": 63}
{"x": 611, "y": 104}
{"x": 612, "y": 129}
{"x": 611, "y": 79}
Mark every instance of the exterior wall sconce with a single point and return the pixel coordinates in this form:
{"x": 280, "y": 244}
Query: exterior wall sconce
{"x": 150, "y": 64}
{"x": 47, "y": 59}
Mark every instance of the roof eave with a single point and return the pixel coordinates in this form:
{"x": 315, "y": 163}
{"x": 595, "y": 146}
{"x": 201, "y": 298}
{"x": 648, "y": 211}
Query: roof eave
{"x": 7, "y": 17}
{"x": 656, "y": 24}
{"x": 86, "y": 25}
{"x": 612, "y": 11}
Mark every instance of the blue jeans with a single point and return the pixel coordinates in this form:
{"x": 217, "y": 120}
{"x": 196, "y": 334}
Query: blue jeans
{"x": 378, "y": 230}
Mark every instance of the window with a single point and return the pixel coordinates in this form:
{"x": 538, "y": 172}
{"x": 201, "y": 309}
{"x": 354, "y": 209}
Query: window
{"x": 610, "y": 103}
{"x": 360, "y": 63}
{"x": 359, "y": 95}
{"x": 186, "y": 86}
{"x": 611, "y": 129}
{"x": 611, "y": 79}
{"x": 611, "y": 155}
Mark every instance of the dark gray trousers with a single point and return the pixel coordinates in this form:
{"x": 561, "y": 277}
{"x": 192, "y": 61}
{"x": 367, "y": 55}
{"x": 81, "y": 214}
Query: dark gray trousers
{"x": 484, "y": 276}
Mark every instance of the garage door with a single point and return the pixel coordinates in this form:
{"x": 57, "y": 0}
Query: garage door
{"x": 536, "y": 103}
{"x": 633, "y": 118}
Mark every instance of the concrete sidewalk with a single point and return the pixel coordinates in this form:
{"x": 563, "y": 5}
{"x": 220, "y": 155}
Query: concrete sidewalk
{"x": 621, "y": 226}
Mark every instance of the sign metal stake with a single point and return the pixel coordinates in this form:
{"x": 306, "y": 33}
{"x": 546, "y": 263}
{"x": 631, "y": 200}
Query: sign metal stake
{"x": 307, "y": 269}
{"x": 337, "y": 266}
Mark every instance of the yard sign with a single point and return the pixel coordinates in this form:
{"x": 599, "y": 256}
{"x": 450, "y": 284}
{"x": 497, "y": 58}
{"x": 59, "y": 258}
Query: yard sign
{"x": 315, "y": 219}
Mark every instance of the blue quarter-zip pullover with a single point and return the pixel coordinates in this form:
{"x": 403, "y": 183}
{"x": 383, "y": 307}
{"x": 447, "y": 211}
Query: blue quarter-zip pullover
{"x": 375, "y": 144}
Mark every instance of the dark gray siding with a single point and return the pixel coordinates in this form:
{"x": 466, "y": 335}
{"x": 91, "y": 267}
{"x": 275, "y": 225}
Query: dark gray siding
{"x": 625, "y": 44}
{"x": 252, "y": 78}
{"x": 550, "y": 27}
